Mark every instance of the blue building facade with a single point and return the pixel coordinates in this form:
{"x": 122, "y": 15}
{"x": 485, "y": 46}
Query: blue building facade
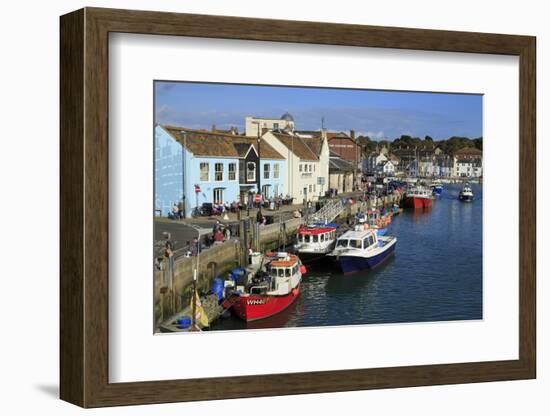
{"x": 273, "y": 175}
{"x": 168, "y": 172}
{"x": 208, "y": 163}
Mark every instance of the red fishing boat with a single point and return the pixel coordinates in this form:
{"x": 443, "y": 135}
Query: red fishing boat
{"x": 418, "y": 197}
{"x": 272, "y": 289}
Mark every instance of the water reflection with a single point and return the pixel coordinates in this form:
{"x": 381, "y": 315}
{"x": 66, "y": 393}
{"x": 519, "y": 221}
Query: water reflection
{"x": 436, "y": 274}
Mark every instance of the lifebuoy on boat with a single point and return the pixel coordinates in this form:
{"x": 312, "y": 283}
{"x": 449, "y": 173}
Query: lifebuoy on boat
{"x": 303, "y": 269}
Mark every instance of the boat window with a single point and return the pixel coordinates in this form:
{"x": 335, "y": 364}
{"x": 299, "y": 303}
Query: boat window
{"x": 280, "y": 272}
{"x": 315, "y": 238}
{"x": 355, "y": 243}
{"x": 366, "y": 242}
{"x": 288, "y": 271}
{"x": 307, "y": 238}
{"x": 295, "y": 269}
{"x": 342, "y": 243}
{"x": 322, "y": 238}
{"x": 371, "y": 240}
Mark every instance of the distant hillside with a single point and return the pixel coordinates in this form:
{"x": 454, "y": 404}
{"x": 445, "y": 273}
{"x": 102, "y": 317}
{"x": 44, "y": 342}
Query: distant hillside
{"x": 449, "y": 146}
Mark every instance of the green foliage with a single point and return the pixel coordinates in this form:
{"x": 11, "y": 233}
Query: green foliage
{"x": 478, "y": 143}
{"x": 449, "y": 146}
{"x": 367, "y": 145}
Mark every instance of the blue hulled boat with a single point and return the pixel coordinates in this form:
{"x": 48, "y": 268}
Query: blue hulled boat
{"x": 437, "y": 189}
{"x": 359, "y": 250}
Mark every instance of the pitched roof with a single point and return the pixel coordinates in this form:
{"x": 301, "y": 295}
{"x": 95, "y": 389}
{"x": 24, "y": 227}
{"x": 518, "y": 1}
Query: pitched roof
{"x": 316, "y": 133}
{"x": 297, "y": 145}
{"x": 337, "y": 135}
{"x": 207, "y": 143}
{"x": 469, "y": 151}
{"x": 339, "y": 165}
{"x": 266, "y": 151}
{"x": 242, "y": 148}
{"x": 314, "y": 143}
{"x": 202, "y": 142}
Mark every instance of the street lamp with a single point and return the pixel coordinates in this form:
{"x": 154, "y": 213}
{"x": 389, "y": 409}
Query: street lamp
{"x": 259, "y": 170}
{"x": 195, "y": 276}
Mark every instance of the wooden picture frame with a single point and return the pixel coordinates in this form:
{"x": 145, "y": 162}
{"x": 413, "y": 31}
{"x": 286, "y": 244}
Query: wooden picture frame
{"x": 84, "y": 207}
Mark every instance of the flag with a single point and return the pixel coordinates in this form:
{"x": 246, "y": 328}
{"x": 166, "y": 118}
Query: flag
{"x": 200, "y": 315}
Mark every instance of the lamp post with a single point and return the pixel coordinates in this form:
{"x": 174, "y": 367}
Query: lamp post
{"x": 195, "y": 276}
{"x": 259, "y": 170}
{"x": 183, "y": 199}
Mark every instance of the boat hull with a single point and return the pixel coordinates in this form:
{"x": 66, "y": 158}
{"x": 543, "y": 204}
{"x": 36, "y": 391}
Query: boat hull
{"x": 256, "y": 307}
{"x": 417, "y": 202}
{"x": 352, "y": 264}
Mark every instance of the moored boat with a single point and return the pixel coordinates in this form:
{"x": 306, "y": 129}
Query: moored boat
{"x": 314, "y": 242}
{"x": 466, "y": 194}
{"x": 272, "y": 289}
{"x": 437, "y": 189}
{"x": 418, "y": 197}
{"x": 359, "y": 250}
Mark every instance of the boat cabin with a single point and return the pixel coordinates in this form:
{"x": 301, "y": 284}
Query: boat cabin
{"x": 359, "y": 240}
{"x": 282, "y": 274}
{"x": 418, "y": 192}
{"x": 315, "y": 234}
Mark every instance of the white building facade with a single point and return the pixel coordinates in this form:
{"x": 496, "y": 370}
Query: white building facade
{"x": 254, "y": 126}
{"x": 307, "y": 168}
{"x": 468, "y": 163}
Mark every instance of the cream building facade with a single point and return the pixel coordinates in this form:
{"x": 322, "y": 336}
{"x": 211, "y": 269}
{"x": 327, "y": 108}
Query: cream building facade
{"x": 307, "y": 162}
{"x": 255, "y": 125}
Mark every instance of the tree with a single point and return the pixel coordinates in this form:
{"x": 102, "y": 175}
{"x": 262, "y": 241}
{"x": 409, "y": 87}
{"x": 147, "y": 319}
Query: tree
{"x": 367, "y": 145}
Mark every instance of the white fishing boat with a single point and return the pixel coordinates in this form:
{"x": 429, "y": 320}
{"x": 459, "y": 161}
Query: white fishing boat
{"x": 314, "y": 242}
{"x": 466, "y": 194}
{"x": 363, "y": 249}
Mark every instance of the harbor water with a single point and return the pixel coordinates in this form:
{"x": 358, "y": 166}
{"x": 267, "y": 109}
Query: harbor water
{"x": 435, "y": 275}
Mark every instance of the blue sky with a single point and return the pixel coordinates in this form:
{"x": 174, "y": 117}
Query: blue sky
{"x": 379, "y": 114}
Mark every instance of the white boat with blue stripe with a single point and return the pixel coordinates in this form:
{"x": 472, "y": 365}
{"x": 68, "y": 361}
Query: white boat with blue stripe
{"x": 362, "y": 249}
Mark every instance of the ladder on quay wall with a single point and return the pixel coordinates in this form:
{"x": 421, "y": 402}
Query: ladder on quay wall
{"x": 328, "y": 212}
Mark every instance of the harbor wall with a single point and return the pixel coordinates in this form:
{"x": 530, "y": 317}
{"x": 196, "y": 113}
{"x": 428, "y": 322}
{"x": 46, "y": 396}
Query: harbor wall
{"x": 173, "y": 283}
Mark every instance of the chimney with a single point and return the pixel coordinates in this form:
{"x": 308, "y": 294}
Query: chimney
{"x": 323, "y": 134}
{"x": 352, "y": 134}
{"x": 213, "y": 127}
